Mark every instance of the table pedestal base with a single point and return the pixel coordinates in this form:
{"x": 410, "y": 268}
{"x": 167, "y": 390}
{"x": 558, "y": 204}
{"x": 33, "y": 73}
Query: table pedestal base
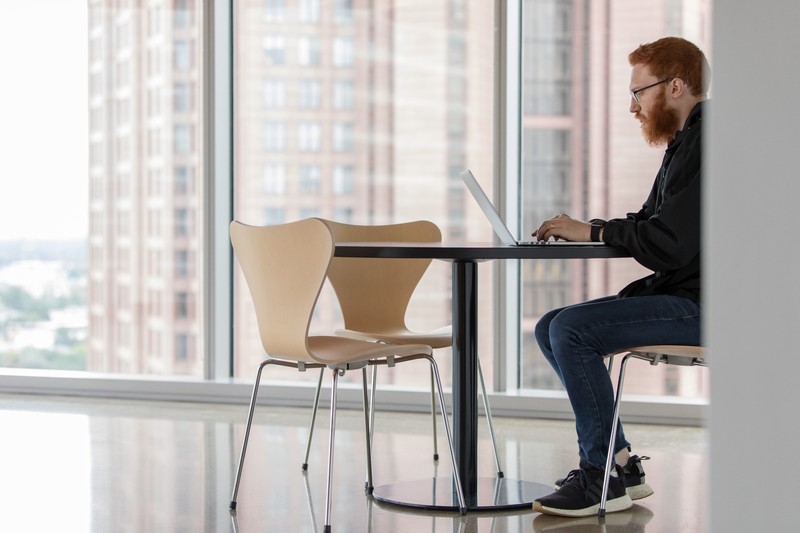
{"x": 437, "y": 494}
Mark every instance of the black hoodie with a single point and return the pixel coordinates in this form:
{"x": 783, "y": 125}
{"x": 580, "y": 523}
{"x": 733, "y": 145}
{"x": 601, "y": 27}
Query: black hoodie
{"x": 664, "y": 235}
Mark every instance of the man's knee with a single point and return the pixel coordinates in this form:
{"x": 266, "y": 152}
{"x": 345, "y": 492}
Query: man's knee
{"x": 542, "y": 328}
{"x": 568, "y": 326}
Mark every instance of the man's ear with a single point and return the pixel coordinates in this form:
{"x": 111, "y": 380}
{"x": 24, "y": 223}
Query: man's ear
{"x": 677, "y": 87}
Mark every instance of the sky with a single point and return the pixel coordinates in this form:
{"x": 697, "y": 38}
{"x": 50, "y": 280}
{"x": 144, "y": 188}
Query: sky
{"x": 43, "y": 120}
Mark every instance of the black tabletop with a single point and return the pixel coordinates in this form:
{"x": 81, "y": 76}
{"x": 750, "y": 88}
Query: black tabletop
{"x": 477, "y": 251}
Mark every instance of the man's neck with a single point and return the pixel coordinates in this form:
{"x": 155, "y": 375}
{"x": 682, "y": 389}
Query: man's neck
{"x": 685, "y": 109}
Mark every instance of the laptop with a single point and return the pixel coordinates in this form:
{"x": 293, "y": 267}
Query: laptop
{"x": 500, "y": 228}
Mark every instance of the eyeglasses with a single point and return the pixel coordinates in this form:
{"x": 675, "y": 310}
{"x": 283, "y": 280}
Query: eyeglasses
{"x": 635, "y": 92}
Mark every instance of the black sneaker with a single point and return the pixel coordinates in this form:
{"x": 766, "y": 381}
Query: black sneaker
{"x": 580, "y": 492}
{"x": 632, "y": 476}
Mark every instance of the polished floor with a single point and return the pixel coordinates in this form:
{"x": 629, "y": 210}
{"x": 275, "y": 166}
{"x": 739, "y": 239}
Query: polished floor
{"x": 91, "y": 465}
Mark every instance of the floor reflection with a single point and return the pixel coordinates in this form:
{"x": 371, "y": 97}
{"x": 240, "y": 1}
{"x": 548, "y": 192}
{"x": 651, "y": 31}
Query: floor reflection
{"x": 633, "y": 520}
{"x": 83, "y": 465}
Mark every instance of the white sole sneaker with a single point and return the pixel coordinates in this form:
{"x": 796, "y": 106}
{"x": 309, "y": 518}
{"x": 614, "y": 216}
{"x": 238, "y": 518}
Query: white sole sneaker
{"x": 621, "y": 503}
{"x": 637, "y": 492}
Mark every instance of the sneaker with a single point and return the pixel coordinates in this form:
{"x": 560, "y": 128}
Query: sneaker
{"x": 632, "y": 521}
{"x": 580, "y": 492}
{"x": 632, "y": 475}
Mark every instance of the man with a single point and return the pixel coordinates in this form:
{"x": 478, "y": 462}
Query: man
{"x": 668, "y": 86}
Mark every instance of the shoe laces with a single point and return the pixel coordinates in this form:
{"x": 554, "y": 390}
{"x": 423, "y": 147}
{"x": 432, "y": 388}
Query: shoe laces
{"x": 570, "y": 475}
{"x": 577, "y": 477}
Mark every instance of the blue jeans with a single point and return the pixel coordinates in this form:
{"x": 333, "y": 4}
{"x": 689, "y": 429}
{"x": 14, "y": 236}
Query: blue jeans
{"x": 575, "y": 340}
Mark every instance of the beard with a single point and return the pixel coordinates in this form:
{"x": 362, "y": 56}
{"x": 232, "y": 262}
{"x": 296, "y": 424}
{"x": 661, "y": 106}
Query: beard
{"x": 660, "y": 126}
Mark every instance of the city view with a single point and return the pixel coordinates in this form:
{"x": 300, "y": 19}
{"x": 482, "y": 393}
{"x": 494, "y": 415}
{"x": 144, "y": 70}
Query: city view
{"x": 361, "y": 112}
{"x": 43, "y": 321}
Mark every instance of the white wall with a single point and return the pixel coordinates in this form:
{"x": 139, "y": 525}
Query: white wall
{"x": 752, "y": 271}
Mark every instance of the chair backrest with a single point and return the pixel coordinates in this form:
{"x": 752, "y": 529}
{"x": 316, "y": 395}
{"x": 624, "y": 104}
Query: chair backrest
{"x": 374, "y": 293}
{"x": 285, "y": 267}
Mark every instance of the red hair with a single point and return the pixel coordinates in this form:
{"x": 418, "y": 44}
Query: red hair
{"x": 675, "y": 57}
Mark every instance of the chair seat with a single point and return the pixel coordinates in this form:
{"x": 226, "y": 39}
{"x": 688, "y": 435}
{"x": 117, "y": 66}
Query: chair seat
{"x": 673, "y": 354}
{"x": 333, "y": 350}
{"x": 671, "y": 349}
{"x": 440, "y": 338}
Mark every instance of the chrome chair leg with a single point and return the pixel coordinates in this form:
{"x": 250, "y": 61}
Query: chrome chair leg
{"x": 372, "y": 402}
{"x": 371, "y": 424}
{"x": 489, "y": 420}
{"x": 310, "y": 501}
{"x": 367, "y": 431}
{"x": 313, "y": 418}
{"x": 456, "y": 478}
{"x": 433, "y": 419}
{"x": 610, "y": 454}
{"x": 331, "y": 438}
{"x": 249, "y": 424}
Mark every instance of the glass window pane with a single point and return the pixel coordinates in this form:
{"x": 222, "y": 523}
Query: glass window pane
{"x": 309, "y": 94}
{"x": 377, "y": 133}
{"x": 583, "y": 154}
{"x": 308, "y": 10}
{"x": 104, "y": 275}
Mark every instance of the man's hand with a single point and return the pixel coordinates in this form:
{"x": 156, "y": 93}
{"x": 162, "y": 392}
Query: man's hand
{"x": 563, "y": 227}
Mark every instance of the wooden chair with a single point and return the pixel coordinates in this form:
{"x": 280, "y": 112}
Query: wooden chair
{"x": 661, "y": 354}
{"x": 374, "y": 295}
{"x": 285, "y": 267}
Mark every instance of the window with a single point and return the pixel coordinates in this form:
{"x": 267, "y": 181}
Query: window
{"x": 558, "y": 89}
{"x": 309, "y": 137}
{"x": 274, "y": 94}
{"x": 181, "y": 346}
{"x": 127, "y": 83}
{"x": 343, "y": 51}
{"x": 153, "y": 20}
{"x": 183, "y": 57}
{"x": 343, "y": 11}
{"x": 275, "y": 10}
{"x": 343, "y": 176}
{"x": 308, "y": 11}
{"x": 274, "y": 49}
{"x": 181, "y": 305}
{"x": 184, "y": 180}
{"x": 308, "y": 94}
{"x": 182, "y": 13}
{"x": 181, "y": 264}
{"x": 343, "y": 94}
{"x": 182, "y": 97}
{"x": 183, "y": 139}
{"x": 274, "y": 179}
{"x": 354, "y": 116}
{"x": 343, "y": 214}
{"x": 308, "y": 182}
{"x": 307, "y": 212}
{"x": 274, "y": 215}
{"x": 343, "y": 137}
{"x": 183, "y": 222}
{"x": 308, "y": 51}
{"x": 273, "y": 137}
